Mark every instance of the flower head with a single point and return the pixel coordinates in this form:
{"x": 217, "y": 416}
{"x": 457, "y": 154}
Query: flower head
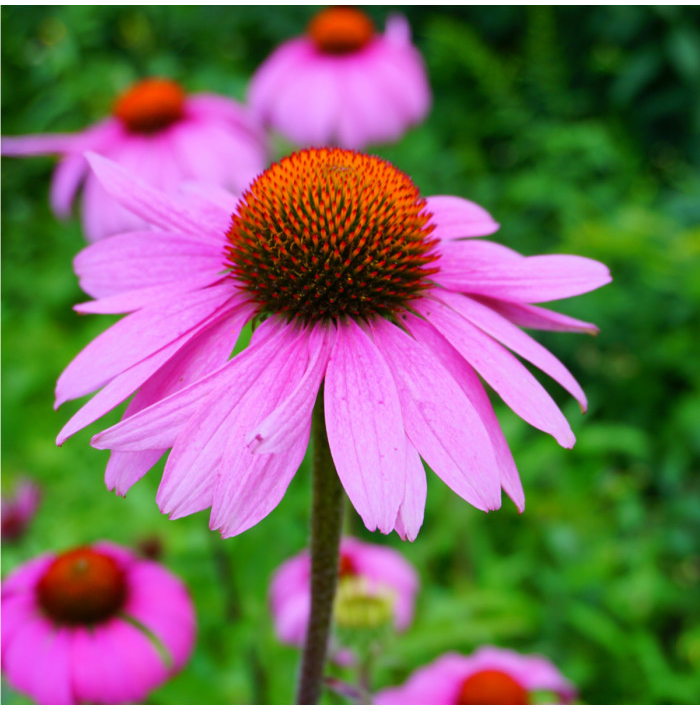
{"x": 343, "y": 83}
{"x": 488, "y": 676}
{"x": 360, "y": 284}
{"x": 162, "y": 134}
{"x": 19, "y": 508}
{"x": 376, "y": 585}
{"x": 94, "y": 625}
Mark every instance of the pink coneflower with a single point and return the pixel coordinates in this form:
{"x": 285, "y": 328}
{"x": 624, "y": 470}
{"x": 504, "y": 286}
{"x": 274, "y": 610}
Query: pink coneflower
{"x": 95, "y": 625}
{"x": 357, "y": 283}
{"x": 343, "y": 83}
{"x": 488, "y": 676}
{"x": 18, "y": 509}
{"x": 368, "y": 570}
{"x": 159, "y": 133}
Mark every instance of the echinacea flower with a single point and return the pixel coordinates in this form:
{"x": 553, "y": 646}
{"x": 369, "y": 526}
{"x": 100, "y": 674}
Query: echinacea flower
{"x": 17, "y": 509}
{"x": 94, "y": 625}
{"x": 386, "y": 581}
{"x": 491, "y": 675}
{"x": 343, "y": 84}
{"x": 357, "y": 283}
{"x": 159, "y": 133}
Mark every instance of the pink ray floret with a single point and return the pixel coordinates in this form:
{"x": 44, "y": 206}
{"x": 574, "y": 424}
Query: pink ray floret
{"x": 159, "y": 133}
{"x": 384, "y": 569}
{"x": 384, "y": 303}
{"x": 95, "y": 625}
{"x": 342, "y": 83}
{"x": 491, "y": 675}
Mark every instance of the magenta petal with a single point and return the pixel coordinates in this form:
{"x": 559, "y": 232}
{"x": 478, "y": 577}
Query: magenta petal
{"x": 65, "y": 182}
{"x": 532, "y": 316}
{"x": 439, "y": 419}
{"x": 515, "y": 339}
{"x": 136, "y": 337}
{"x": 42, "y": 144}
{"x": 471, "y": 385}
{"x": 290, "y": 599}
{"x": 365, "y": 428}
{"x": 410, "y": 517}
{"x": 502, "y": 371}
{"x": 125, "y": 468}
{"x": 284, "y": 425}
{"x": 455, "y": 218}
{"x": 152, "y": 205}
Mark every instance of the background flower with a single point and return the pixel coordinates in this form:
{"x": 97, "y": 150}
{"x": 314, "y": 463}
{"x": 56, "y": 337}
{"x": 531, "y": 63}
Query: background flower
{"x": 162, "y": 135}
{"x": 94, "y": 625}
{"x": 386, "y": 572}
{"x": 488, "y": 676}
{"x": 19, "y": 508}
{"x": 343, "y": 84}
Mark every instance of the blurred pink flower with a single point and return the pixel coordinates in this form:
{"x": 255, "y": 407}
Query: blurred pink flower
{"x": 385, "y": 570}
{"x": 95, "y": 625}
{"x": 359, "y": 283}
{"x": 343, "y": 84}
{"x": 158, "y": 133}
{"x": 488, "y": 676}
{"x": 18, "y": 509}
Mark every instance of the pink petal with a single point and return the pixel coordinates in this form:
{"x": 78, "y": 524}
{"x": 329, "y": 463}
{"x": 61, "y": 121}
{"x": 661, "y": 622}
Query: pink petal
{"x": 157, "y": 426}
{"x": 439, "y": 419}
{"x": 533, "y": 279}
{"x": 410, "y": 517}
{"x": 17, "y": 611}
{"x": 58, "y": 143}
{"x": 290, "y": 598}
{"x": 456, "y": 218}
{"x": 125, "y": 468}
{"x": 365, "y": 428}
{"x": 136, "y": 337}
{"x": 531, "y": 316}
{"x": 285, "y": 424}
{"x": 150, "y": 204}
{"x": 65, "y": 183}
{"x": 511, "y": 380}
{"x": 141, "y": 259}
{"x": 467, "y": 378}
{"x": 515, "y": 339}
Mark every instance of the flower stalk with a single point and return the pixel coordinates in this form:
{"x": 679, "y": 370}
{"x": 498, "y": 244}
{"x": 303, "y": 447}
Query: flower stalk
{"x": 326, "y": 524}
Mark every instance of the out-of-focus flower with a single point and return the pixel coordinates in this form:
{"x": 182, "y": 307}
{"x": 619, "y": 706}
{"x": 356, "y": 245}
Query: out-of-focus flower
{"x": 18, "y": 509}
{"x": 488, "y": 676}
{"x": 160, "y": 134}
{"x": 362, "y": 285}
{"x": 95, "y": 625}
{"x": 343, "y": 84}
{"x": 376, "y": 585}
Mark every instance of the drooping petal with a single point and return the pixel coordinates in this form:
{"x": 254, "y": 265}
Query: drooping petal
{"x": 65, "y": 182}
{"x": 515, "y": 339}
{"x": 439, "y": 419}
{"x": 290, "y": 599}
{"x": 136, "y": 337}
{"x": 410, "y": 517}
{"x": 471, "y": 385}
{"x": 284, "y": 425}
{"x": 365, "y": 427}
{"x": 124, "y": 468}
{"x": 48, "y": 144}
{"x": 501, "y": 370}
{"x": 532, "y": 279}
{"x": 532, "y": 316}
{"x": 456, "y": 218}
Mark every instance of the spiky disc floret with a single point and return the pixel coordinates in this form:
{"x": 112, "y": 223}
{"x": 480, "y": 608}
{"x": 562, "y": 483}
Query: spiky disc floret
{"x": 328, "y": 233}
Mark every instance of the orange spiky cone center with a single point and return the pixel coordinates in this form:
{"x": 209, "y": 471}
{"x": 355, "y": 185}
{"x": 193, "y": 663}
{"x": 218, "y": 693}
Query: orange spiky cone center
{"x": 81, "y": 587}
{"x": 340, "y": 30}
{"x": 327, "y": 234}
{"x": 492, "y": 687}
{"x": 150, "y": 105}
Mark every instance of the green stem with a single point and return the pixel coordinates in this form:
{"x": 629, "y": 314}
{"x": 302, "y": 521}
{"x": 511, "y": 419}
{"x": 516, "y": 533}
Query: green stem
{"x": 326, "y": 523}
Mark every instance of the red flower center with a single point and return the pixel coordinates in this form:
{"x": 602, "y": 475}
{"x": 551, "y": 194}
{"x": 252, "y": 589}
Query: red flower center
{"x": 82, "y": 586}
{"x": 328, "y": 233}
{"x": 150, "y": 105}
{"x": 491, "y": 687}
{"x": 346, "y": 566}
{"x": 340, "y": 30}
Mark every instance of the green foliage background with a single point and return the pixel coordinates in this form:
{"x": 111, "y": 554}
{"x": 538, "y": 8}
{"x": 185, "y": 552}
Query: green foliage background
{"x": 577, "y": 129}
